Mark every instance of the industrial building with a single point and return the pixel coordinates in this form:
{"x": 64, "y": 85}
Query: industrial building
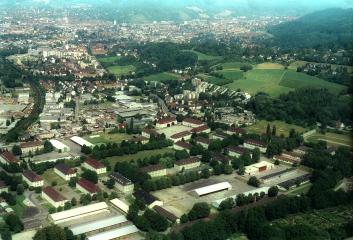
{"x": 278, "y": 175}
{"x": 115, "y": 234}
{"x": 59, "y": 146}
{"x": 258, "y": 167}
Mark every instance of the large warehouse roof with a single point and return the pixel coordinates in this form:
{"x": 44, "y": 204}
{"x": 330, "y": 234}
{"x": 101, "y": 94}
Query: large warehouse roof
{"x": 77, "y": 212}
{"x": 57, "y": 144}
{"x": 96, "y": 225}
{"x": 213, "y": 188}
{"x": 114, "y": 234}
{"x": 80, "y": 141}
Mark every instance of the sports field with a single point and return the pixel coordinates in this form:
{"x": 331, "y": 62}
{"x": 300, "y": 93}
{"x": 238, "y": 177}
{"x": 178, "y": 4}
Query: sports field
{"x": 139, "y": 155}
{"x": 333, "y": 139}
{"x": 164, "y": 76}
{"x": 119, "y": 70}
{"x": 104, "y": 138}
{"x": 281, "y": 127}
{"x": 108, "y": 59}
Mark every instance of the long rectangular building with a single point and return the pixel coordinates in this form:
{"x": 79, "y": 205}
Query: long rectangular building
{"x": 79, "y": 212}
{"x": 99, "y": 225}
{"x": 218, "y": 187}
{"x": 115, "y": 234}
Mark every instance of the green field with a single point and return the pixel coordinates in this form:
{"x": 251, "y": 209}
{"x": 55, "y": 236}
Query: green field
{"x": 300, "y": 190}
{"x": 164, "y": 76}
{"x": 261, "y": 80}
{"x": 108, "y": 138}
{"x": 120, "y": 70}
{"x": 292, "y": 79}
{"x": 213, "y": 79}
{"x": 108, "y": 59}
{"x": 332, "y": 139}
{"x": 269, "y": 65}
{"x": 297, "y": 64}
{"x": 232, "y": 74}
{"x": 324, "y": 219}
{"x": 204, "y": 57}
{"x": 281, "y": 127}
{"x": 142, "y": 154}
{"x": 50, "y": 176}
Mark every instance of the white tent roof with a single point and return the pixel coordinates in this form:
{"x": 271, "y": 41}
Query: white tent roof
{"x": 213, "y": 188}
{"x": 57, "y": 144}
{"x": 78, "y": 211}
{"x": 95, "y": 225}
{"x": 116, "y": 233}
{"x": 80, "y": 141}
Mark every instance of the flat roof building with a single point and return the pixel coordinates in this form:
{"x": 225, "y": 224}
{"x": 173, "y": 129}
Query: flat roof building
{"x": 80, "y": 141}
{"x": 115, "y": 234}
{"x": 218, "y": 187}
{"x": 59, "y": 146}
{"x": 120, "y": 205}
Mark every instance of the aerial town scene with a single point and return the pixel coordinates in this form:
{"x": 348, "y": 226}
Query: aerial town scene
{"x": 176, "y": 120}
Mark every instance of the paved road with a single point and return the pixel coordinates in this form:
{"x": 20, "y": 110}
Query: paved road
{"x": 162, "y": 105}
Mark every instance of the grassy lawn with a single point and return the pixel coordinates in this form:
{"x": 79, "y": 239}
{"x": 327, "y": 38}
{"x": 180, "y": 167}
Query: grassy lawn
{"x": 232, "y": 65}
{"x": 214, "y": 80}
{"x": 205, "y": 57}
{"x": 108, "y": 59}
{"x": 333, "y": 139}
{"x": 293, "y": 79}
{"x": 164, "y": 76}
{"x": 119, "y": 70}
{"x": 261, "y": 80}
{"x": 19, "y": 207}
{"x": 142, "y": 154}
{"x": 231, "y": 74}
{"x": 299, "y": 190}
{"x": 107, "y": 138}
{"x": 281, "y": 127}
{"x": 50, "y": 176}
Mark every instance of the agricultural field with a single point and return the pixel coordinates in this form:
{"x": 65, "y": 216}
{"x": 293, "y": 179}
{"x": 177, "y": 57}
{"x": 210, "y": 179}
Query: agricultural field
{"x": 324, "y": 219}
{"x": 292, "y": 79}
{"x": 142, "y": 154}
{"x": 105, "y": 138}
{"x": 120, "y": 70}
{"x": 205, "y": 57}
{"x": 261, "y": 80}
{"x": 281, "y": 127}
{"x": 231, "y": 65}
{"x": 231, "y": 74}
{"x": 164, "y": 76}
{"x": 269, "y": 65}
{"x": 214, "y": 80}
{"x": 108, "y": 59}
{"x": 333, "y": 139}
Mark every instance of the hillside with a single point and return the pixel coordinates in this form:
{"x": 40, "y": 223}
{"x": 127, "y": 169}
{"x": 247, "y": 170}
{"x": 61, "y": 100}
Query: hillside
{"x": 327, "y": 28}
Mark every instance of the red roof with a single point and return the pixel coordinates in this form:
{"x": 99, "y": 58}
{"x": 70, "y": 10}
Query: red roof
{"x": 200, "y": 129}
{"x": 203, "y": 140}
{"x": 180, "y": 135}
{"x": 53, "y": 194}
{"x": 66, "y": 170}
{"x": 187, "y": 161}
{"x": 9, "y": 157}
{"x": 255, "y": 143}
{"x": 183, "y": 144}
{"x": 166, "y": 120}
{"x": 237, "y": 149}
{"x": 237, "y": 130}
{"x": 193, "y": 121}
{"x": 31, "y": 144}
{"x": 88, "y": 185}
{"x": 31, "y": 176}
{"x": 94, "y": 163}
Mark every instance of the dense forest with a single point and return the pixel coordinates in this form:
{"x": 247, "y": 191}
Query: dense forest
{"x": 304, "y": 107}
{"x": 328, "y": 29}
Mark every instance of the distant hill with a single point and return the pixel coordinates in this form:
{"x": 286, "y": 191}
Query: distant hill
{"x": 327, "y": 28}
{"x": 180, "y": 10}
